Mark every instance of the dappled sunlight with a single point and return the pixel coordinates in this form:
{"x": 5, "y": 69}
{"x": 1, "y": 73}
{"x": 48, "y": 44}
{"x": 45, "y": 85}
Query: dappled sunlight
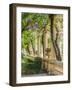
{"x": 41, "y": 44}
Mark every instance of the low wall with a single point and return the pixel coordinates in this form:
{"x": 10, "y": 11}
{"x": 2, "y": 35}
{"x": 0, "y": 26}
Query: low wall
{"x": 53, "y": 66}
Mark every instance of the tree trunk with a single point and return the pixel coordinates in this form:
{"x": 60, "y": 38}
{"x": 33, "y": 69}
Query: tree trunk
{"x": 38, "y": 45}
{"x": 55, "y": 45}
{"x": 30, "y": 49}
{"x": 45, "y": 43}
{"x": 35, "y": 44}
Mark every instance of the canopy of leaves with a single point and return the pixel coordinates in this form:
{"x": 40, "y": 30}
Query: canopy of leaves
{"x": 32, "y": 22}
{"x": 32, "y": 19}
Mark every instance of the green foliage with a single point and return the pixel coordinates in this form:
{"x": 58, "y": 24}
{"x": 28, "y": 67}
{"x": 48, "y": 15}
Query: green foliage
{"x": 27, "y": 37}
{"x": 28, "y": 20}
{"x": 34, "y": 17}
{"x": 31, "y": 65}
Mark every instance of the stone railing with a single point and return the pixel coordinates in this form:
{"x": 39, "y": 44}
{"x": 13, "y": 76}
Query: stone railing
{"x": 53, "y": 66}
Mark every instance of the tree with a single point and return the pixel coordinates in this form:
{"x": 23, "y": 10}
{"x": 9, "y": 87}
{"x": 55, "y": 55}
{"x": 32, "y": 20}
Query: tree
{"x": 36, "y": 29}
{"x": 54, "y": 37}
